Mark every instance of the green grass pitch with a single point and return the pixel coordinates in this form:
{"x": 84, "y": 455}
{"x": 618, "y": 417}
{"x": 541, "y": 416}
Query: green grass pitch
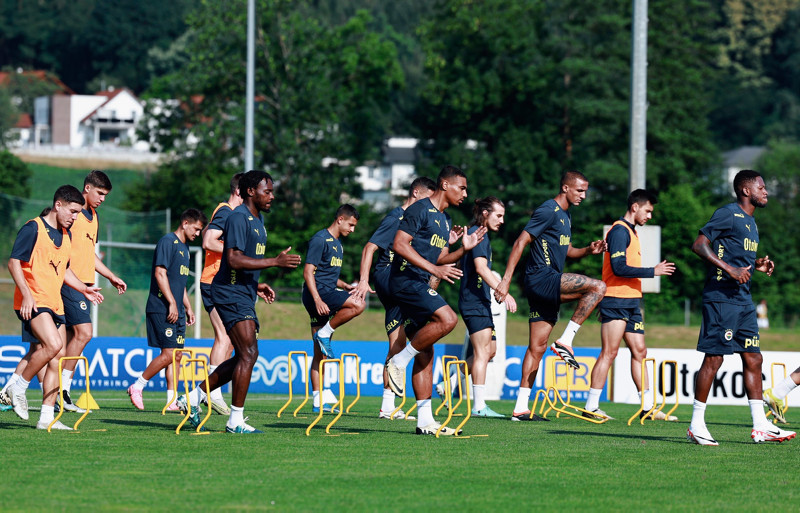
{"x": 124, "y": 459}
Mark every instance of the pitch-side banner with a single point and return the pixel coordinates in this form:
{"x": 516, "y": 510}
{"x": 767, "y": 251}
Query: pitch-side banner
{"x": 116, "y": 362}
{"x": 728, "y": 387}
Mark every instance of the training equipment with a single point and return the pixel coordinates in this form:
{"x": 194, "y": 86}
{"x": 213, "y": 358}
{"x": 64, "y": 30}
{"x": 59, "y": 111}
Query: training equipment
{"x": 699, "y": 440}
{"x": 565, "y": 353}
{"x": 566, "y": 406}
{"x": 653, "y": 412}
{"x": 463, "y": 391}
{"x": 175, "y": 354}
{"x": 243, "y": 429}
{"x": 773, "y": 434}
{"x": 322, "y": 364}
{"x": 306, "y": 379}
{"x": 61, "y": 388}
{"x": 358, "y": 381}
{"x": 87, "y": 402}
{"x": 185, "y": 400}
{"x": 446, "y": 358}
{"x": 777, "y": 407}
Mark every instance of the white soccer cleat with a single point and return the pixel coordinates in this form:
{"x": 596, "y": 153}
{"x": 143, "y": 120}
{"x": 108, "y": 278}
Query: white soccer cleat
{"x": 771, "y": 434}
{"x": 397, "y": 378}
{"x": 431, "y": 429}
{"x": 700, "y": 439}
{"x": 400, "y": 415}
{"x": 19, "y": 402}
{"x": 57, "y": 426}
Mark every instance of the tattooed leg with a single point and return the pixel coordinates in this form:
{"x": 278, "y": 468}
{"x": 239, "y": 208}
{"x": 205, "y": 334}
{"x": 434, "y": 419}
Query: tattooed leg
{"x": 587, "y": 291}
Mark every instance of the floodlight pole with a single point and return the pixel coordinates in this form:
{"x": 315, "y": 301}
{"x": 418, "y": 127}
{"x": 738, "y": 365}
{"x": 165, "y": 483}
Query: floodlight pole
{"x": 250, "y": 90}
{"x": 638, "y": 165}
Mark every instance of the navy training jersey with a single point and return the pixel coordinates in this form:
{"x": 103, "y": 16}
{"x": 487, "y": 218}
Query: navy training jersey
{"x": 325, "y": 253}
{"x": 734, "y": 239}
{"x": 384, "y": 236}
{"x": 26, "y": 239}
{"x": 220, "y": 217}
{"x": 245, "y": 232}
{"x": 550, "y": 227}
{"x": 474, "y": 293}
{"x": 430, "y": 231}
{"x": 173, "y": 255}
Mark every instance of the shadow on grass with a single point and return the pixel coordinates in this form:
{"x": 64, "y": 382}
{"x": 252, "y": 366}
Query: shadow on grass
{"x": 136, "y": 423}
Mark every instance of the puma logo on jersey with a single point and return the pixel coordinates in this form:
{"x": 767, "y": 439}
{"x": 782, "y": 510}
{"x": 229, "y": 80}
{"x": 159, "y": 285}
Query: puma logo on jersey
{"x": 747, "y": 226}
{"x": 562, "y": 221}
{"x": 437, "y": 223}
{"x": 55, "y": 266}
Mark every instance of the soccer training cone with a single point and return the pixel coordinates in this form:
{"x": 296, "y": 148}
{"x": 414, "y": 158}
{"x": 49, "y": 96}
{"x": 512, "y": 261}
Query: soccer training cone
{"x": 87, "y": 402}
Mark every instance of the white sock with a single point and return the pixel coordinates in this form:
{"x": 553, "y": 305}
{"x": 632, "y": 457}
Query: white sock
{"x": 479, "y": 391}
{"x": 780, "y": 390}
{"x": 196, "y": 396}
{"x": 237, "y": 416}
{"x": 315, "y": 395}
{"x": 170, "y": 395}
{"x": 11, "y": 381}
{"x": 20, "y": 385}
{"x": 388, "y": 400}
{"x": 593, "y": 401}
{"x": 698, "y": 417}
{"x": 216, "y": 394}
{"x": 569, "y": 333}
{"x": 424, "y": 413}
{"x": 523, "y": 396}
{"x": 66, "y": 379}
{"x": 140, "y": 383}
{"x": 649, "y": 400}
{"x": 757, "y": 412}
{"x": 325, "y": 331}
{"x": 47, "y": 414}
{"x": 402, "y": 358}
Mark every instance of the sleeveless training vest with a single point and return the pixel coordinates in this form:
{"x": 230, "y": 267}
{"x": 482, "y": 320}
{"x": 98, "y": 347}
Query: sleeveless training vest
{"x": 44, "y": 273}
{"x": 617, "y": 286}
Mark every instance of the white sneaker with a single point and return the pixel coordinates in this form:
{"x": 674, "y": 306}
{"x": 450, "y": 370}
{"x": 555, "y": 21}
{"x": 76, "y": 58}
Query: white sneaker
{"x": 770, "y": 433}
{"x": 662, "y": 416}
{"x": 19, "y": 402}
{"x": 431, "y": 429}
{"x": 400, "y": 415}
{"x": 700, "y": 438}
{"x": 57, "y": 426}
{"x": 397, "y": 378}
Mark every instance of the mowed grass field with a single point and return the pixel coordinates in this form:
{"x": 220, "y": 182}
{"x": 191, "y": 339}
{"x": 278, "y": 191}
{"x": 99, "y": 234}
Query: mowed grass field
{"x": 124, "y": 459}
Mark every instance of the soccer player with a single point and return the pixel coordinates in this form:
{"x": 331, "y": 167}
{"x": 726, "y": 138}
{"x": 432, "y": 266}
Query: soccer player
{"x": 234, "y": 291}
{"x": 39, "y": 266}
{"x": 222, "y": 349}
{"x": 168, "y": 310}
{"x": 422, "y": 243}
{"x": 381, "y": 241}
{"x": 728, "y": 243}
{"x": 549, "y": 234}
{"x": 620, "y": 312}
{"x": 475, "y": 302}
{"x": 326, "y": 297}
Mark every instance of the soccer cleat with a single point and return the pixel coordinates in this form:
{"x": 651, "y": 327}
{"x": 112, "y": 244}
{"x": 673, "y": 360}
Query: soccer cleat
{"x": 659, "y": 415}
{"x": 57, "y": 426}
{"x": 431, "y": 429}
{"x": 397, "y": 378}
{"x": 243, "y": 429}
{"x": 19, "y": 402}
{"x": 565, "y": 353}
{"x": 775, "y": 405}
{"x": 5, "y": 397}
{"x": 325, "y": 409}
{"x": 136, "y": 397}
{"x": 400, "y": 415}
{"x": 487, "y": 412}
{"x": 699, "y": 439}
{"x": 324, "y": 345}
{"x": 5, "y": 407}
{"x": 526, "y": 417}
{"x": 597, "y": 414}
{"x": 771, "y": 434}
{"x": 68, "y": 404}
{"x": 218, "y": 406}
{"x": 173, "y": 407}
{"x": 440, "y": 390}
{"x": 194, "y": 418}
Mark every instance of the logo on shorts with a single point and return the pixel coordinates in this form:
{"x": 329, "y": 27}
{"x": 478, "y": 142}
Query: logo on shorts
{"x": 168, "y": 332}
{"x": 432, "y": 292}
{"x": 729, "y": 335}
{"x": 82, "y": 305}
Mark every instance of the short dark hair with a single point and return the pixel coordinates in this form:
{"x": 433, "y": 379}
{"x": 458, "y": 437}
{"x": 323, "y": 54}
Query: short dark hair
{"x": 423, "y": 182}
{"x": 251, "y": 179}
{"x": 97, "y": 179}
{"x": 742, "y": 179}
{"x": 346, "y": 210}
{"x": 641, "y": 196}
{"x": 193, "y": 215}
{"x": 68, "y": 194}
{"x": 482, "y": 204}
{"x": 235, "y": 182}
{"x": 571, "y": 175}
{"x": 447, "y": 172}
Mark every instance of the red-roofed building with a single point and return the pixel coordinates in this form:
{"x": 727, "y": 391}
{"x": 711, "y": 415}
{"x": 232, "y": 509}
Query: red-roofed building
{"x": 89, "y": 120}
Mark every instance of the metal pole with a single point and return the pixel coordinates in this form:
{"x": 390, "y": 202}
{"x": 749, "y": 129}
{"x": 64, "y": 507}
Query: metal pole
{"x": 250, "y": 92}
{"x": 198, "y": 271}
{"x": 169, "y": 220}
{"x": 94, "y": 311}
{"x": 638, "y": 165}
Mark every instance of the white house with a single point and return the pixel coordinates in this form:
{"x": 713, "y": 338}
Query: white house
{"x": 390, "y": 177}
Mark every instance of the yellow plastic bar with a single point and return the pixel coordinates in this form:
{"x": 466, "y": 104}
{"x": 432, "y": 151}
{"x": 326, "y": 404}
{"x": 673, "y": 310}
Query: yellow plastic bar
{"x": 413, "y": 407}
{"x": 190, "y": 352}
{"x": 199, "y": 363}
{"x": 541, "y": 392}
{"x": 445, "y": 358}
{"x": 61, "y": 387}
{"x": 641, "y": 406}
{"x": 664, "y": 363}
{"x": 358, "y": 378}
{"x": 291, "y": 382}
{"x": 462, "y": 391}
{"x": 563, "y": 409}
{"x": 322, "y": 387}
{"x": 569, "y": 369}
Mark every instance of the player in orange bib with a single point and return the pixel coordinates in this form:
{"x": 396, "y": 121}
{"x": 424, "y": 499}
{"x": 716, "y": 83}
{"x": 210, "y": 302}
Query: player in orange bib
{"x": 39, "y": 266}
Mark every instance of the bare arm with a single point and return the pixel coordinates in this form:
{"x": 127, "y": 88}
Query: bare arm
{"x": 239, "y": 261}
{"x": 360, "y": 291}
{"x": 163, "y": 285}
{"x": 522, "y": 242}
{"x": 188, "y": 306}
{"x": 211, "y": 240}
{"x": 488, "y": 277}
{"x": 595, "y": 248}
{"x": 468, "y": 241}
{"x": 104, "y": 271}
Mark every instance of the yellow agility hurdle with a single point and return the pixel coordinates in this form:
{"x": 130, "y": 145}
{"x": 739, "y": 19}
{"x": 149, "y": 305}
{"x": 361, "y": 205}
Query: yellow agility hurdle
{"x": 322, "y": 387}
{"x": 61, "y": 395}
{"x": 772, "y": 383}
{"x": 653, "y": 410}
{"x": 553, "y": 404}
{"x": 445, "y": 358}
{"x": 664, "y": 363}
{"x": 190, "y": 352}
{"x": 304, "y": 373}
{"x": 201, "y": 363}
{"x": 463, "y": 391}
{"x": 358, "y": 379}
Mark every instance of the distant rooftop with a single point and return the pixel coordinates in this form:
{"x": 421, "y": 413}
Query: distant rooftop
{"x": 744, "y": 157}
